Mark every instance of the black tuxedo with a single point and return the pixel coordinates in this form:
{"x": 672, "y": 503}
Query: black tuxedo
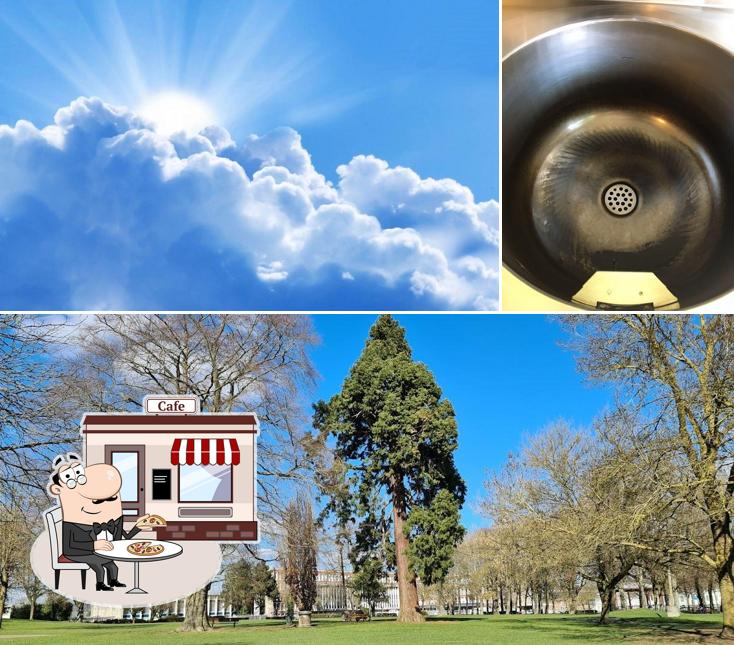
{"x": 78, "y": 544}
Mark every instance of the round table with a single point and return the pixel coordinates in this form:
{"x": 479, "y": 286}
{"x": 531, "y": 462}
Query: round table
{"x": 119, "y": 552}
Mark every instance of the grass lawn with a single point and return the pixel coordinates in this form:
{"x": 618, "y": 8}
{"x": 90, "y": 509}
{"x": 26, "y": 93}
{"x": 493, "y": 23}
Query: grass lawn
{"x": 642, "y": 627}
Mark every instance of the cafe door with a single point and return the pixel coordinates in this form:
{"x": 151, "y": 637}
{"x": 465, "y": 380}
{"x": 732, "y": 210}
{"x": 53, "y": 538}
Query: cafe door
{"x": 130, "y": 461}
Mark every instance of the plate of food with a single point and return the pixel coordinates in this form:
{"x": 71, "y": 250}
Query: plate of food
{"x": 145, "y": 548}
{"x": 152, "y": 522}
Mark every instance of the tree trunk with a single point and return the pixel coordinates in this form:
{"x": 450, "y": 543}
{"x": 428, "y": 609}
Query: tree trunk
{"x": 32, "y": 612}
{"x": 726, "y": 588}
{"x": 407, "y": 587}
{"x": 641, "y": 590}
{"x": 672, "y": 610}
{"x": 440, "y": 601}
{"x": 571, "y": 602}
{"x": 197, "y": 617}
{"x": 3, "y": 595}
{"x": 606, "y": 594}
{"x": 347, "y": 602}
{"x": 699, "y": 593}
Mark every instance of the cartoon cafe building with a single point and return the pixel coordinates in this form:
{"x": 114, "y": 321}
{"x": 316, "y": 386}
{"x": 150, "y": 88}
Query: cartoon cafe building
{"x": 195, "y": 470}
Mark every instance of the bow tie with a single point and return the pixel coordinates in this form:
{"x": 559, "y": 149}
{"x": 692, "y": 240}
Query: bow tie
{"x": 104, "y": 526}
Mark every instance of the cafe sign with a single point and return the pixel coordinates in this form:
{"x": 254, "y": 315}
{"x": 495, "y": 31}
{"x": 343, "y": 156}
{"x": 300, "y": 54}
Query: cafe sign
{"x": 171, "y": 405}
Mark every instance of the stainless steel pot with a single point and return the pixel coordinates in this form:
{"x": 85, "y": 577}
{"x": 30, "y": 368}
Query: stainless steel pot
{"x": 618, "y": 156}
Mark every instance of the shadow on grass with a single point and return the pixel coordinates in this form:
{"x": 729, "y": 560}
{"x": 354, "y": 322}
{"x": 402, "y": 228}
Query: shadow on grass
{"x": 640, "y": 628}
{"x": 452, "y": 619}
{"x": 246, "y": 624}
{"x": 141, "y": 624}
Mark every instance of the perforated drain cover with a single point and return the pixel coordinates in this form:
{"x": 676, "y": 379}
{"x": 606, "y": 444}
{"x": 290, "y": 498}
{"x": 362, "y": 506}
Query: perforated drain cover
{"x": 620, "y": 199}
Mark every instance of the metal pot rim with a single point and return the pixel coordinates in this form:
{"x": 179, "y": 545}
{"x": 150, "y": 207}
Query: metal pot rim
{"x": 629, "y": 19}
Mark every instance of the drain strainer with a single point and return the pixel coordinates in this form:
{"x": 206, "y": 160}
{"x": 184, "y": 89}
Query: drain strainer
{"x": 620, "y": 199}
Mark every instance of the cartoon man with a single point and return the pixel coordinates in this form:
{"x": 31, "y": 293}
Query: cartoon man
{"x": 91, "y": 512}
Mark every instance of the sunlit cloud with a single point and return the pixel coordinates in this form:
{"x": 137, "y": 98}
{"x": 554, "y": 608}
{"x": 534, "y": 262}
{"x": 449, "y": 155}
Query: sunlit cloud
{"x": 124, "y": 216}
{"x": 149, "y": 190}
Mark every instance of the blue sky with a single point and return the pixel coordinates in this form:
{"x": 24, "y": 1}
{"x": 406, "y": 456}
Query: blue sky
{"x": 506, "y": 375}
{"x": 363, "y": 88}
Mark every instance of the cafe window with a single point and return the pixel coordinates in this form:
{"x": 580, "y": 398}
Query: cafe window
{"x": 205, "y": 468}
{"x": 204, "y": 483}
{"x": 127, "y": 464}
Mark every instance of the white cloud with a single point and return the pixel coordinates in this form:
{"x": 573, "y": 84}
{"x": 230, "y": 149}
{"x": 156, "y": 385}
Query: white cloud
{"x": 272, "y": 272}
{"x": 99, "y": 210}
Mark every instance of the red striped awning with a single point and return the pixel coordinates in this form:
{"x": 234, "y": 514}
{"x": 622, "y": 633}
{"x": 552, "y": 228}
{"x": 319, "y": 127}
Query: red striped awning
{"x": 220, "y": 452}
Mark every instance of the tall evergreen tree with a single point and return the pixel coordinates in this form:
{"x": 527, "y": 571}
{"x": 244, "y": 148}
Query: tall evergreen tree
{"x": 397, "y": 436}
{"x": 237, "y": 589}
{"x": 246, "y": 583}
{"x": 264, "y": 585}
{"x": 367, "y": 584}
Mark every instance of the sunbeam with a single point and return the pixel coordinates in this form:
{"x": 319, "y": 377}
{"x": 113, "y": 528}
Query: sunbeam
{"x": 177, "y": 64}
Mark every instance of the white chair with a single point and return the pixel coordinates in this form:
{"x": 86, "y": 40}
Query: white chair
{"x": 59, "y": 561}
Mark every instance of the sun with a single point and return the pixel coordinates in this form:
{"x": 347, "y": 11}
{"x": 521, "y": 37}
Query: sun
{"x": 173, "y": 112}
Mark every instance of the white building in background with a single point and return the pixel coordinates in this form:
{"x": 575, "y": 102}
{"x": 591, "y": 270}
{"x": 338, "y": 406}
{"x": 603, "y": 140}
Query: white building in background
{"x": 331, "y": 596}
{"x": 628, "y": 597}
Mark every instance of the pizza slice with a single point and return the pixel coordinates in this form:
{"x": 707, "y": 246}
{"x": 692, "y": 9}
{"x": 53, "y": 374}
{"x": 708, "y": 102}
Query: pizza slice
{"x": 137, "y": 548}
{"x": 152, "y": 522}
{"x": 145, "y": 548}
{"x": 153, "y": 549}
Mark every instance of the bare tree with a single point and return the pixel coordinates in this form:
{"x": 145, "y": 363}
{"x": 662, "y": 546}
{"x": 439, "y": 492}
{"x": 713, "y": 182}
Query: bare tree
{"x": 513, "y": 564}
{"x": 299, "y": 556}
{"x": 32, "y": 587}
{"x": 14, "y": 540}
{"x": 32, "y": 428}
{"x": 576, "y": 490}
{"x": 32, "y": 424}
{"x": 258, "y": 363}
{"x": 679, "y": 373}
